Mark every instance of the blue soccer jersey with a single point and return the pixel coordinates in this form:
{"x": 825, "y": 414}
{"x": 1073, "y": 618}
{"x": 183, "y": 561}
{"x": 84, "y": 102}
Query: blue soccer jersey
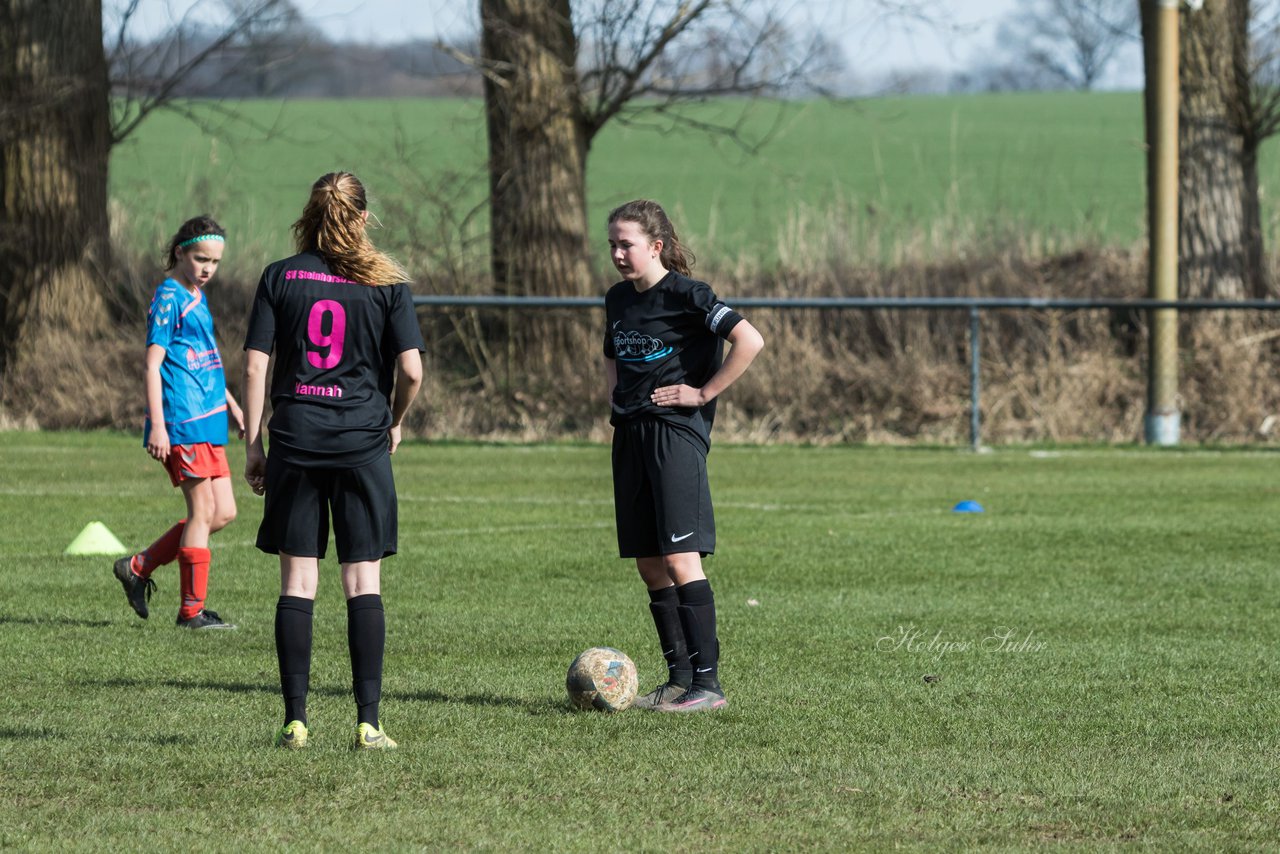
{"x": 193, "y": 385}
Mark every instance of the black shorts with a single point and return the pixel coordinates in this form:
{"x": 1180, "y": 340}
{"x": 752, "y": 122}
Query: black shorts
{"x": 660, "y": 493}
{"x": 295, "y": 519}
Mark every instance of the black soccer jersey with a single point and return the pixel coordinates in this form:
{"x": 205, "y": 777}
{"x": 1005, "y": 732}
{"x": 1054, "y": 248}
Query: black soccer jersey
{"x": 336, "y": 345}
{"x": 669, "y": 334}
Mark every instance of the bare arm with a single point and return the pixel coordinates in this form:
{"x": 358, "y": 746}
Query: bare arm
{"x": 255, "y": 401}
{"x": 158, "y": 441}
{"x": 747, "y": 344}
{"x": 235, "y": 413}
{"x": 408, "y": 382}
{"x": 610, "y": 378}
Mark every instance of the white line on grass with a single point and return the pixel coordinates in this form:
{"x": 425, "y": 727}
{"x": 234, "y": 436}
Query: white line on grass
{"x": 1146, "y": 453}
{"x": 506, "y": 499}
{"x": 593, "y": 502}
{"x": 423, "y": 531}
{"x": 76, "y": 491}
{"x": 504, "y": 529}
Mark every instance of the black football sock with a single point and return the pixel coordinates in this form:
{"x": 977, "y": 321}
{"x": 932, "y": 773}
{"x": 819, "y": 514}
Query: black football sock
{"x": 666, "y": 619}
{"x": 698, "y": 616}
{"x": 293, "y": 651}
{"x": 367, "y": 638}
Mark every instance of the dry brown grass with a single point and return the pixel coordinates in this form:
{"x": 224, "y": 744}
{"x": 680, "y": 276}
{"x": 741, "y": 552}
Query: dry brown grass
{"x": 826, "y": 376}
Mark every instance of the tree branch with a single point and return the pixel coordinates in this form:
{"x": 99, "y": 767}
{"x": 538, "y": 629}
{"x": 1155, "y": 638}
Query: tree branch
{"x": 159, "y": 93}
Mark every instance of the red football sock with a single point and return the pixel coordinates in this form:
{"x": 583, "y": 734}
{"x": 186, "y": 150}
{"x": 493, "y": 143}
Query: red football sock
{"x": 194, "y": 565}
{"x": 162, "y": 551}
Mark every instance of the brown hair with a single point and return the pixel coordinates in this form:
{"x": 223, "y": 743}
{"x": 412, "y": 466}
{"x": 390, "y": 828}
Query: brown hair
{"x": 653, "y": 221}
{"x": 333, "y": 224}
{"x": 197, "y": 226}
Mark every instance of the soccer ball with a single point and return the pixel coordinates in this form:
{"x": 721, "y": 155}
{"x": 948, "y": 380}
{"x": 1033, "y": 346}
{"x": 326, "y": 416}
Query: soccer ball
{"x": 602, "y": 678}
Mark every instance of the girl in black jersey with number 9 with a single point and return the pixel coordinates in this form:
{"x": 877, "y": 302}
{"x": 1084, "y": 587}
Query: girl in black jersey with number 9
{"x": 663, "y": 349}
{"x": 340, "y": 319}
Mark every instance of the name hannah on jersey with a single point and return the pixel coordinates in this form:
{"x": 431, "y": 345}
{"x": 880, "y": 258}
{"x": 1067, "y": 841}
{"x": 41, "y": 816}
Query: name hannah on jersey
{"x": 318, "y": 390}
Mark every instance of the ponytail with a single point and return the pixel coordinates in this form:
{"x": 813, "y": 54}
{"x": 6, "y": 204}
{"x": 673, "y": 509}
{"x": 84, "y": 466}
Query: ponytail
{"x": 333, "y": 225}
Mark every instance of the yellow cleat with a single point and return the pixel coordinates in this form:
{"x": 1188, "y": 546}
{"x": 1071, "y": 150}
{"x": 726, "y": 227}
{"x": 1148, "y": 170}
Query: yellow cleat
{"x": 292, "y": 736}
{"x": 369, "y": 737}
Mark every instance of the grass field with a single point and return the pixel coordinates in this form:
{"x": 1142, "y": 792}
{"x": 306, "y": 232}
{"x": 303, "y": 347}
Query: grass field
{"x": 923, "y": 171}
{"x": 1134, "y": 699}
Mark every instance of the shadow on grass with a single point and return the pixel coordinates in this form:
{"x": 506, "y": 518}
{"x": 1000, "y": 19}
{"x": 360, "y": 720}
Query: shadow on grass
{"x": 37, "y": 733}
{"x": 542, "y": 706}
{"x": 150, "y": 738}
{"x": 46, "y": 734}
{"x": 53, "y": 621}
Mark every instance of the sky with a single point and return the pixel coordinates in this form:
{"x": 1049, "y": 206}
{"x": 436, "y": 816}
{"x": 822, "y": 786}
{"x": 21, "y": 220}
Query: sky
{"x": 961, "y": 31}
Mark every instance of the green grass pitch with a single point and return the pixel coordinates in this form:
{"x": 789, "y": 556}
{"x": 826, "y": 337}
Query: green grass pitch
{"x": 1134, "y": 698}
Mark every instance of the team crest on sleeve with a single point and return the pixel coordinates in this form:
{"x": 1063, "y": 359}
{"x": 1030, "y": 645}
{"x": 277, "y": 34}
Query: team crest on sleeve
{"x": 718, "y": 312}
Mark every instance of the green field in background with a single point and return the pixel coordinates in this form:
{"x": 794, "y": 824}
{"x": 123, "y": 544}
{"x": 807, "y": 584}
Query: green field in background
{"x": 903, "y": 171}
{"x": 1101, "y": 640}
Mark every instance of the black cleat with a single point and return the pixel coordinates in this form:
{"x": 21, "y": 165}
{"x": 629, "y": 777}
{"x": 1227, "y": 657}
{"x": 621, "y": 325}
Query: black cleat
{"x": 696, "y": 700}
{"x": 137, "y": 589}
{"x": 206, "y": 619}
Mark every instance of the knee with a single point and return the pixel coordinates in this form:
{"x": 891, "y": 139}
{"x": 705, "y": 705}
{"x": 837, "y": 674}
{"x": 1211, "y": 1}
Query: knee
{"x": 222, "y": 518}
{"x": 654, "y": 580}
{"x": 652, "y": 573}
{"x": 683, "y": 568}
{"x": 202, "y": 514}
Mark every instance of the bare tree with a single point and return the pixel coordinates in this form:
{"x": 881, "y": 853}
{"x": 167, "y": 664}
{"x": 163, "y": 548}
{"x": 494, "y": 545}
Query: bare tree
{"x": 56, "y": 133}
{"x": 556, "y": 73}
{"x": 1259, "y": 121}
{"x": 1070, "y": 41}
{"x": 1213, "y": 187}
{"x": 55, "y": 138}
{"x": 1229, "y": 77}
{"x": 1008, "y": 76}
{"x": 152, "y": 75}
{"x": 267, "y": 47}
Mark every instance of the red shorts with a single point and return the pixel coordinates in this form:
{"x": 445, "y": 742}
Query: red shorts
{"x": 195, "y": 462}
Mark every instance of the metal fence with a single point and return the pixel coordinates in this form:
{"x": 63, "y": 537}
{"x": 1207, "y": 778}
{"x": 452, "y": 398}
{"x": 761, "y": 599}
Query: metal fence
{"x": 973, "y": 305}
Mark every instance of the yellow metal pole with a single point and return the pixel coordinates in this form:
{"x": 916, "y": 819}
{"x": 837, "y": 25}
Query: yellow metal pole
{"x": 1163, "y": 420}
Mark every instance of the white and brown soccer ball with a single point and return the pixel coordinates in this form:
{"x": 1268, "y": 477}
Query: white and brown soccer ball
{"x": 602, "y": 678}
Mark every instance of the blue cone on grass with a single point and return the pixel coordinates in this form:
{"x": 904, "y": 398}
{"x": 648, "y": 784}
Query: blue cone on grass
{"x": 967, "y": 507}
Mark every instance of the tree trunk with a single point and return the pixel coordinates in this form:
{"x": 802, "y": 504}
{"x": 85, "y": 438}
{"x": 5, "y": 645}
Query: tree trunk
{"x": 1147, "y": 18}
{"x": 1213, "y": 222}
{"x": 1255, "y": 265}
{"x": 537, "y": 148}
{"x": 54, "y": 145}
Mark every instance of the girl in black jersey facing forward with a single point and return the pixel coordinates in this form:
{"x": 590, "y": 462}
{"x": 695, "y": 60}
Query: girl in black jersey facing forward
{"x": 662, "y": 346}
{"x": 348, "y": 364}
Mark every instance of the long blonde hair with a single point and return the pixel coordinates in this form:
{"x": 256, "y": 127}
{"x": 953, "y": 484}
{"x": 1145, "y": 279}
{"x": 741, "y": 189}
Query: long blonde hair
{"x": 333, "y": 224}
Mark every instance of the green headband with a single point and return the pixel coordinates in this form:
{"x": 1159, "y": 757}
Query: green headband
{"x": 189, "y": 241}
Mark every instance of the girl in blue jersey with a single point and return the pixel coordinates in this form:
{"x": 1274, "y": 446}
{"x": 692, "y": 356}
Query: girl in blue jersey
{"x": 340, "y": 319}
{"x": 188, "y": 407}
{"x": 662, "y": 346}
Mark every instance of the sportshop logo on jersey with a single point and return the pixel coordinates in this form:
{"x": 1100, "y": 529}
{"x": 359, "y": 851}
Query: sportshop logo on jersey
{"x": 638, "y": 347}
